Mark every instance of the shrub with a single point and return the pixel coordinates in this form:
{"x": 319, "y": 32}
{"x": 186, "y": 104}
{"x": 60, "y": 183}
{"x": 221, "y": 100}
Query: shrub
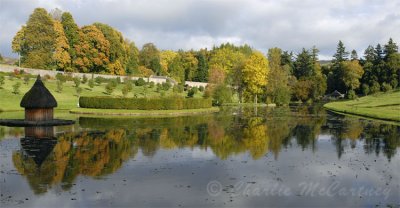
{"x": 163, "y": 103}
{"x": 26, "y": 79}
{"x": 365, "y": 89}
{"x": 113, "y": 82}
{"x": 59, "y": 86}
{"x": 151, "y": 84}
{"x": 84, "y": 79}
{"x": 61, "y": 77}
{"x": 351, "y": 95}
{"x": 125, "y": 91}
{"x": 1, "y": 81}
{"x": 386, "y": 87}
{"x": 91, "y": 83}
{"x": 78, "y": 91}
{"x": 201, "y": 88}
{"x": 222, "y": 94}
{"x": 46, "y": 77}
{"x": 192, "y": 92}
{"x": 375, "y": 87}
{"x": 394, "y": 83}
{"x": 140, "y": 82}
{"x": 99, "y": 80}
{"x": 166, "y": 85}
{"x": 16, "y": 87}
{"x": 129, "y": 86}
{"x": 109, "y": 88}
{"x": 118, "y": 79}
{"x": 178, "y": 88}
{"x": 77, "y": 81}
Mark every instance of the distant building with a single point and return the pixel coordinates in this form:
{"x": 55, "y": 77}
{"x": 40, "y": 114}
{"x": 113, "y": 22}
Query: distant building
{"x": 336, "y": 95}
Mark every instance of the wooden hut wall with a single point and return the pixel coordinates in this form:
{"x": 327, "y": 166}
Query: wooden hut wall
{"x": 41, "y": 114}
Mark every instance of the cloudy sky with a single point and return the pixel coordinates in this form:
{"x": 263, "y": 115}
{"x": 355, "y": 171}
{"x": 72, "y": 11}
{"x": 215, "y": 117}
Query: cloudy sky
{"x": 194, "y": 24}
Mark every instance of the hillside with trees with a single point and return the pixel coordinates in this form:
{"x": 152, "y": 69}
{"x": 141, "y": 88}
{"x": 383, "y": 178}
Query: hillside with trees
{"x": 54, "y": 41}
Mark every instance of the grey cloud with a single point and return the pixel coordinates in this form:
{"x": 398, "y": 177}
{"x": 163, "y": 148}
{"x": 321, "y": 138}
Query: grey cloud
{"x": 187, "y": 24}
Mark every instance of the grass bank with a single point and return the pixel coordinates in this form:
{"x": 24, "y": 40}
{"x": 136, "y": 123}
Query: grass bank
{"x": 385, "y": 106}
{"x": 67, "y": 99}
{"x": 121, "y": 112}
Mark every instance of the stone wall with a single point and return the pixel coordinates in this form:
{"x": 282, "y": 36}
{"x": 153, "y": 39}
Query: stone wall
{"x": 41, "y": 72}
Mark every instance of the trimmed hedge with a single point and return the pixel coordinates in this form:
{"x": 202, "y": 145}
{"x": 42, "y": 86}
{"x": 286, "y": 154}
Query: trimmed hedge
{"x": 167, "y": 103}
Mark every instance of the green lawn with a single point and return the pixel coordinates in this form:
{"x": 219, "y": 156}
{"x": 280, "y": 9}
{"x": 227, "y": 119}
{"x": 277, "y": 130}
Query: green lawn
{"x": 67, "y": 99}
{"x": 384, "y": 106}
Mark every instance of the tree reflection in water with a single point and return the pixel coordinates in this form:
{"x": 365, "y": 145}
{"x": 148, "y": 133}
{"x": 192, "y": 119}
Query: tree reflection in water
{"x": 108, "y": 143}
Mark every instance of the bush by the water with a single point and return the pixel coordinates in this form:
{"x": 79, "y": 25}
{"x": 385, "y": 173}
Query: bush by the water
{"x": 164, "y": 103}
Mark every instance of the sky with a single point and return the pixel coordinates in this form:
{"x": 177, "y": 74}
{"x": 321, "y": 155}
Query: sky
{"x": 194, "y": 24}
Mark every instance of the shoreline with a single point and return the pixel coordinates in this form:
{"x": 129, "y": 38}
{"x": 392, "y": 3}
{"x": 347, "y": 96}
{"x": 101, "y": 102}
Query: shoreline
{"x": 141, "y": 113}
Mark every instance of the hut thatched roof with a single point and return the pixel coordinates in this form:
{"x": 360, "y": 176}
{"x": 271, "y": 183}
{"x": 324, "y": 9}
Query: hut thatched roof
{"x": 38, "y": 97}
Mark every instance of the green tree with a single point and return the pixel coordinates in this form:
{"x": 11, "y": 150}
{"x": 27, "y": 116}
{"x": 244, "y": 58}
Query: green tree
{"x": 221, "y": 94}
{"x": 149, "y": 57}
{"x": 71, "y": 31}
{"x": 35, "y": 41}
{"x": 201, "y": 74}
{"x": 354, "y": 55}
{"x": 277, "y": 90}
{"x": 335, "y": 79}
{"x": 132, "y": 53}
{"x": 255, "y": 74}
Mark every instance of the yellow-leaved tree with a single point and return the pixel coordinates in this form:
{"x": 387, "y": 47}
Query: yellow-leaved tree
{"x": 61, "y": 55}
{"x": 255, "y": 73}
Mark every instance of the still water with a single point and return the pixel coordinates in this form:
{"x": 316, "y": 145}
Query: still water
{"x": 240, "y": 157}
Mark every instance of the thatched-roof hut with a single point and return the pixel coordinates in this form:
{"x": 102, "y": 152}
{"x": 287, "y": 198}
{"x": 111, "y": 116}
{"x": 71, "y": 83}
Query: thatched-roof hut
{"x": 38, "y": 103}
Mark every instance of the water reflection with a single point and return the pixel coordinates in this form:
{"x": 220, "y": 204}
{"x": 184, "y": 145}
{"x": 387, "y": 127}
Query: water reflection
{"x": 105, "y": 144}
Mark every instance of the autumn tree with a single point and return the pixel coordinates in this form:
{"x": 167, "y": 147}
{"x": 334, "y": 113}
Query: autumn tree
{"x": 61, "y": 56}
{"x": 117, "y": 55}
{"x": 166, "y": 58}
{"x": 189, "y": 63}
{"x": 255, "y": 73}
{"x": 352, "y": 72}
{"x": 92, "y": 51}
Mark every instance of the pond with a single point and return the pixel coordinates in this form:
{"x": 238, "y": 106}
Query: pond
{"x": 298, "y": 156}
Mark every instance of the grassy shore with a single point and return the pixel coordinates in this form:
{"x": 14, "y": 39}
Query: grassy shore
{"x": 385, "y": 106}
{"x": 68, "y": 99}
{"x": 91, "y": 111}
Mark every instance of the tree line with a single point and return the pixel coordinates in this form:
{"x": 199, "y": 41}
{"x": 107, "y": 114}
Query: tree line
{"x": 54, "y": 41}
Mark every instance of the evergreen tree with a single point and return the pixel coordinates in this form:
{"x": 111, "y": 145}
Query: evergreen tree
{"x": 354, "y": 55}
{"x": 71, "y": 31}
{"x": 202, "y": 67}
